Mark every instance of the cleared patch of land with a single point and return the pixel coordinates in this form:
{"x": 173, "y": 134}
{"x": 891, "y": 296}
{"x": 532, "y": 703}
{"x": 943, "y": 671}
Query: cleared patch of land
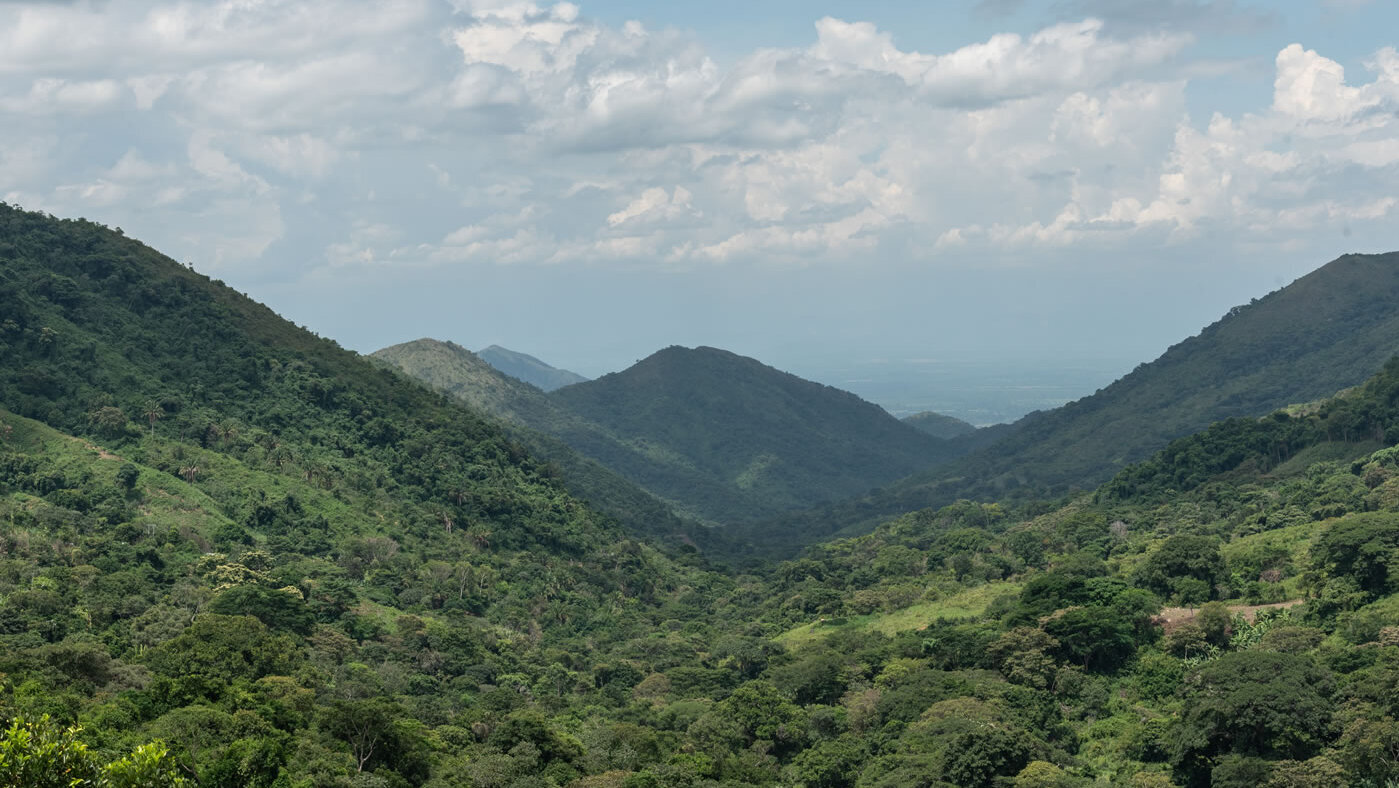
{"x": 967, "y": 604}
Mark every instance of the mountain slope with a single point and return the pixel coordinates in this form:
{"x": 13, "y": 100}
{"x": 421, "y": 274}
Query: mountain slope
{"x": 574, "y": 441}
{"x": 451, "y": 368}
{"x": 531, "y": 370}
{"x": 208, "y": 512}
{"x": 939, "y": 425}
{"x": 103, "y": 337}
{"x": 759, "y": 432}
{"x": 535, "y": 420}
{"x": 1330, "y": 329}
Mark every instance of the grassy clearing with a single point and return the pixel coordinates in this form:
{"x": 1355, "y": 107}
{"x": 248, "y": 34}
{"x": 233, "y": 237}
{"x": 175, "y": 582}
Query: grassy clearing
{"x": 164, "y": 501}
{"x": 966, "y": 604}
{"x": 1337, "y": 451}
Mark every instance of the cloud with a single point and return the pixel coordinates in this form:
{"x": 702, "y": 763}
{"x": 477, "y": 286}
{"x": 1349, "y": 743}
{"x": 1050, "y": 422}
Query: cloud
{"x": 1342, "y": 147}
{"x": 279, "y": 135}
{"x": 998, "y": 8}
{"x": 1007, "y": 66}
{"x": 654, "y": 205}
{"x": 1194, "y": 15}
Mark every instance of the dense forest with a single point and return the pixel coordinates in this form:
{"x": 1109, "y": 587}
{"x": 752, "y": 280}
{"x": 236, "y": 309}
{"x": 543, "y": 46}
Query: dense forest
{"x": 234, "y": 554}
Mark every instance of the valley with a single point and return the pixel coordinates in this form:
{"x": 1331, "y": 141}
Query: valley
{"x": 233, "y": 553}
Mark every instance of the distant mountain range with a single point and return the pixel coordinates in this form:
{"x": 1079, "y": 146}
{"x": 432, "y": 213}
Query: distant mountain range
{"x": 531, "y": 370}
{"x": 729, "y": 440}
{"x": 719, "y": 436}
{"x": 536, "y": 420}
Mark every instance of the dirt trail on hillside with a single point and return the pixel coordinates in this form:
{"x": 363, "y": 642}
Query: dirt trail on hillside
{"x": 1173, "y": 617}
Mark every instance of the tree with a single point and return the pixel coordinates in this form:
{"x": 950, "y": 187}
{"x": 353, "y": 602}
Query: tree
{"x": 153, "y": 413}
{"x": 127, "y": 476}
{"x": 366, "y": 725}
{"x": 1098, "y": 638}
{"x": 40, "y": 754}
{"x": 214, "y": 651}
{"x": 1023, "y": 656}
{"x": 109, "y": 421}
{"x": 1361, "y": 547}
{"x": 978, "y": 756}
{"x": 1180, "y": 557}
{"x": 1252, "y": 703}
{"x": 278, "y": 609}
{"x": 830, "y": 764}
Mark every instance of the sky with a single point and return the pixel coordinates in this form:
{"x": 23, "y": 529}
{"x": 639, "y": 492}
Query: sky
{"x": 816, "y": 183}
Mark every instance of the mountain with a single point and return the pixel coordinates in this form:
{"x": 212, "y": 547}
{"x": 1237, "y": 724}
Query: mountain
{"x": 1330, "y": 329}
{"x": 531, "y": 370}
{"x": 714, "y": 435}
{"x": 939, "y": 425}
{"x": 565, "y": 436}
{"x": 467, "y": 376}
{"x": 535, "y": 420}
{"x": 772, "y": 440}
{"x": 105, "y": 338}
{"x": 213, "y": 523}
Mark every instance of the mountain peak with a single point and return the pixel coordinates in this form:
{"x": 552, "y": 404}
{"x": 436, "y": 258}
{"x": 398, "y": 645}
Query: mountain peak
{"x": 769, "y": 435}
{"x": 523, "y": 366}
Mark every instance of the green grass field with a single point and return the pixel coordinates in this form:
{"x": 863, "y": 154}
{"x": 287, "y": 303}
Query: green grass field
{"x": 967, "y": 604}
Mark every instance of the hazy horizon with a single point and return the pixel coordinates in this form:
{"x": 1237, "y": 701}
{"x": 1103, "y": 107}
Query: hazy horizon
{"x": 813, "y": 184}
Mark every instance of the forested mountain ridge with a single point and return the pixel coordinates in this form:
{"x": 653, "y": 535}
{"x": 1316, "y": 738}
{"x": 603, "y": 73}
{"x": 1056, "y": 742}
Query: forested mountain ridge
{"x": 939, "y": 425}
{"x": 1275, "y": 539}
{"x": 451, "y": 368}
{"x": 527, "y": 368}
{"x": 768, "y": 434}
{"x": 1330, "y": 329}
{"x": 539, "y": 423}
{"x": 459, "y": 372}
{"x": 198, "y": 479}
{"x": 716, "y": 435}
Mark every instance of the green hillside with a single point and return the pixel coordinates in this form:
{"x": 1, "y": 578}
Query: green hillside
{"x": 1225, "y": 614}
{"x": 769, "y": 437}
{"x": 212, "y": 523}
{"x": 939, "y": 425}
{"x": 527, "y": 368}
{"x": 624, "y": 478}
{"x": 1330, "y": 329}
{"x": 717, "y": 436}
{"x": 534, "y": 419}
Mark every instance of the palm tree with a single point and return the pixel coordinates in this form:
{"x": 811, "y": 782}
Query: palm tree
{"x": 153, "y": 413}
{"x": 226, "y": 431}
